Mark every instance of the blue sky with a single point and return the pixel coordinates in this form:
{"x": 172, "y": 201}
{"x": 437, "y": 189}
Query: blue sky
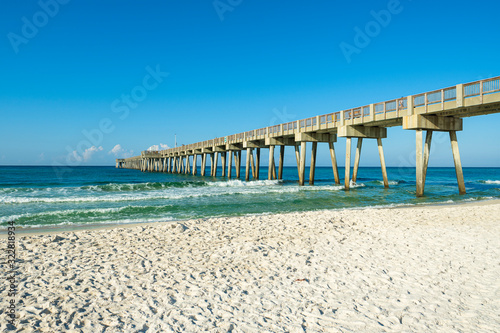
{"x": 204, "y": 69}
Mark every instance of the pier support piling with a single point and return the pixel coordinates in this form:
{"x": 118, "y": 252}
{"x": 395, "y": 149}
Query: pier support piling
{"x": 252, "y": 162}
{"x": 195, "y": 166}
{"x": 215, "y": 164}
{"x": 312, "y": 168}
{"x": 302, "y": 170}
{"x": 223, "y": 160}
{"x": 382, "y": 162}
{"x": 237, "y": 161}
{"x": 427, "y": 151}
{"x": 334, "y": 162}
{"x": 229, "y": 164}
{"x": 203, "y": 164}
{"x": 458, "y": 163}
{"x": 281, "y": 161}
{"x": 356, "y": 160}
{"x": 271, "y": 163}
{"x": 247, "y": 164}
{"x": 419, "y": 163}
{"x": 257, "y": 163}
{"x": 297, "y": 157}
{"x": 212, "y": 159}
{"x": 347, "y": 163}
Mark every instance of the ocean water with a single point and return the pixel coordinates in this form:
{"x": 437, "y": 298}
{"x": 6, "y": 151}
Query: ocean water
{"x": 42, "y": 197}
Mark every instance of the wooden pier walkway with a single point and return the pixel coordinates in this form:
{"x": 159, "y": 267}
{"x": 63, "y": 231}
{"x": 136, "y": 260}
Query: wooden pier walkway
{"x": 438, "y": 110}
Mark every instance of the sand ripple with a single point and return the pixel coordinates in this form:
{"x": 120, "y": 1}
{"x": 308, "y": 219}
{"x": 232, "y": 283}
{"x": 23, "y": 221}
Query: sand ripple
{"x": 372, "y": 270}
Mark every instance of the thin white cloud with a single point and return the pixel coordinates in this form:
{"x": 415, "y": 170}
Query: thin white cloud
{"x": 76, "y": 156}
{"x": 87, "y": 154}
{"x": 118, "y": 151}
{"x": 161, "y": 146}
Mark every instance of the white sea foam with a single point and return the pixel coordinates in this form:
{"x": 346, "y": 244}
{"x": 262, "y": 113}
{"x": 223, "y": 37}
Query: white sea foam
{"x": 496, "y": 182}
{"x": 391, "y": 182}
{"x": 218, "y": 189}
{"x": 354, "y": 185}
{"x": 239, "y": 183}
{"x": 95, "y": 223}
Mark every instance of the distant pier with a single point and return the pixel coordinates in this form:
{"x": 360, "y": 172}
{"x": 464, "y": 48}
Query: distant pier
{"x": 439, "y": 110}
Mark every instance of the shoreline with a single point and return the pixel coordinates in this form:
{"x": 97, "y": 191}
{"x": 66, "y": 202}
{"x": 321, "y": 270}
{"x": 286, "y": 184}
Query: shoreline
{"x": 420, "y": 268}
{"x": 27, "y": 231}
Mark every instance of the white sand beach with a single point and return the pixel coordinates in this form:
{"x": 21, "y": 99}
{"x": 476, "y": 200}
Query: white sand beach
{"x": 416, "y": 269}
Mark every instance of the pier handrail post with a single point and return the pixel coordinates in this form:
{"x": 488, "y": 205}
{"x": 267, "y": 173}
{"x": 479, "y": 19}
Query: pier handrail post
{"x": 460, "y": 95}
{"x": 409, "y": 105}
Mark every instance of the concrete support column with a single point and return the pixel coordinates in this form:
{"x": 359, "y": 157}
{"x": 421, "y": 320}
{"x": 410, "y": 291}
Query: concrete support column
{"x": 458, "y": 163}
{"x": 247, "y": 165}
{"x": 195, "y": 167}
{"x": 312, "y": 168}
{"x": 230, "y": 164}
{"x": 257, "y": 163}
{"x": 382, "y": 162}
{"x": 237, "y": 160}
{"x": 347, "y": 163}
{"x": 212, "y": 160}
{"x": 281, "y": 161}
{"x": 203, "y": 164}
{"x": 252, "y": 162}
{"x": 334, "y": 163}
{"x": 302, "y": 170}
{"x": 419, "y": 163}
{"x": 356, "y": 160}
{"x": 223, "y": 160}
{"x": 297, "y": 157}
{"x": 427, "y": 151}
{"x": 215, "y": 164}
{"x": 271, "y": 163}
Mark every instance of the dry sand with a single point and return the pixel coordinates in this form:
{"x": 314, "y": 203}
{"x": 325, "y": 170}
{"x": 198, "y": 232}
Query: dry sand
{"x": 418, "y": 269}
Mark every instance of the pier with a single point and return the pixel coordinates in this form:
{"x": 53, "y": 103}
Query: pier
{"x": 438, "y": 110}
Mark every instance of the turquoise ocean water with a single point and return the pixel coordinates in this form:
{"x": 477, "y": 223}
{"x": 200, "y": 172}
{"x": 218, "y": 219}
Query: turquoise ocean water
{"x": 41, "y": 197}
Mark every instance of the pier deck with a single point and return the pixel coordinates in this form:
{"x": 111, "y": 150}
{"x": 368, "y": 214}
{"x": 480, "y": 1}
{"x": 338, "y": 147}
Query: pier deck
{"x": 438, "y": 110}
